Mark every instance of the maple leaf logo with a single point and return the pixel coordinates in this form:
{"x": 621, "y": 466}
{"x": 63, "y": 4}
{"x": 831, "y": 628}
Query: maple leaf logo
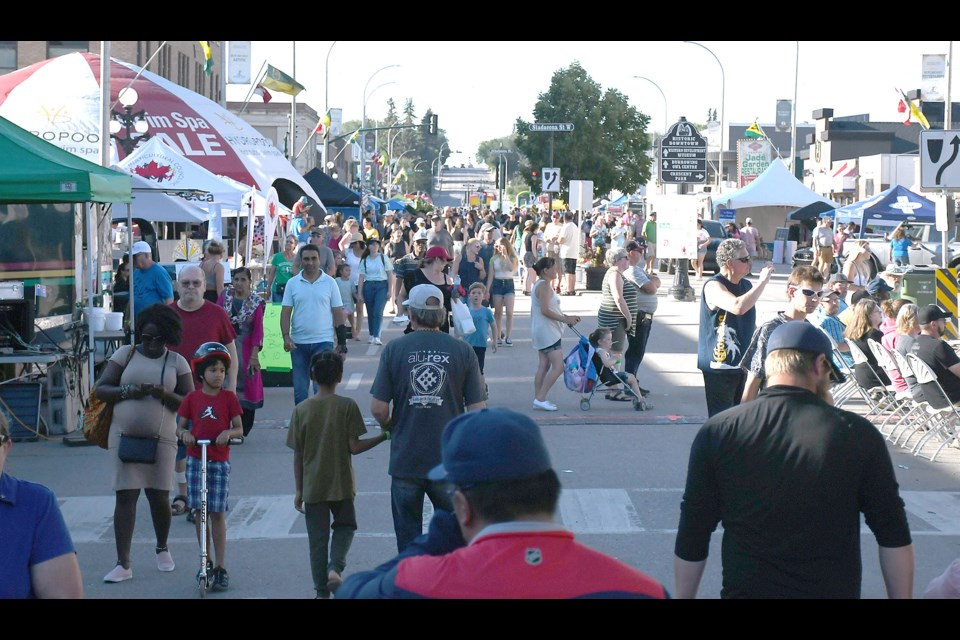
{"x": 154, "y": 171}
{"x": 272, "y": 210}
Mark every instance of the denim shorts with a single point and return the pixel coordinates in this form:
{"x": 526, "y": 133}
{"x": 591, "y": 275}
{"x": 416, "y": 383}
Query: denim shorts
{"x": 554, "y": 347}
{"x": 502, "y": 287}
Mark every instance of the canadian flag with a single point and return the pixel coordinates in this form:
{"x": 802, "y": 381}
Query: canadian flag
{"x": 263, "y": 93}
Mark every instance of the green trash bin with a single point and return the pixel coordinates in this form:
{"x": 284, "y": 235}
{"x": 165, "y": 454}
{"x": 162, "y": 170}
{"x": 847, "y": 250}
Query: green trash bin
{"x": 920, "y": 286}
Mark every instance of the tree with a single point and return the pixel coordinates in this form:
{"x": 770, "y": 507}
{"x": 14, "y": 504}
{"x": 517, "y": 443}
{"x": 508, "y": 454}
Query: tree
{"x": 609, "y": 144}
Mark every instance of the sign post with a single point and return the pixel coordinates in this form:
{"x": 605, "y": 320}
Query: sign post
{"x": 940, "y": 171}
{"x": 551, "y": 127}
{"x": 683, "y": 155}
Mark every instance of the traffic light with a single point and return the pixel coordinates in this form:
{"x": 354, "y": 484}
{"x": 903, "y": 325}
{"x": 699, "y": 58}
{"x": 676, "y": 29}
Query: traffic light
{"x": 432, "y": 127}
{"x": 535, "y": 186}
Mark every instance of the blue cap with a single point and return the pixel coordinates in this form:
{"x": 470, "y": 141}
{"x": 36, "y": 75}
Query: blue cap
{"x": 803, "y": 336}
{"x": 491, "y": 445}
{"x": 878, "y": 285}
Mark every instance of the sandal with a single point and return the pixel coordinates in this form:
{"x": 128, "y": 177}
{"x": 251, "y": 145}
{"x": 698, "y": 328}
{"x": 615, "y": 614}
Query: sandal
{"x": 620, "y": 397}
{"x": 179, "y": 506}
{"x": 192, "y": 516}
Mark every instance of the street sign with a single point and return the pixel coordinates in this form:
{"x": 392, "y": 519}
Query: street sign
{"x": 550, "y": 179}
{"x": 939, "y": 161}
{"x": 501, "y": 150}
{"x": 551, "y": 126}
{"x": 683, "y": 155}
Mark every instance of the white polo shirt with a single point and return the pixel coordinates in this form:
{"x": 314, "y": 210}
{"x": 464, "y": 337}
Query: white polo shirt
{"x": 313, "y": 303}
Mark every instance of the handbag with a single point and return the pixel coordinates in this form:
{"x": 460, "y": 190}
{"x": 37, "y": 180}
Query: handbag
{"x": 142, "y": 449}
{"x": 98, "y": 414}
{"x": 462, "y": 320}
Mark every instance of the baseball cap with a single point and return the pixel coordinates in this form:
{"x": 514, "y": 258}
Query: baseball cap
{"x": 931, "y": 312}
{"x": 490, "y": 445}
{"x": 486, "y": 226}
{"x": 838, "y": 277}
{"x": 140, "y": 247}
{"x": 633, "y": 245}
{"x": 358, "y": 237}
{"x": 420, "y": 296}
{"x": 421, "y": 235}
{"x": 878, "y": 285}
{"x": 437, "y": 251}
{"x": 436, "y": 216}
{"x": 421, "y": 221}
{"x": 803, "y": 336}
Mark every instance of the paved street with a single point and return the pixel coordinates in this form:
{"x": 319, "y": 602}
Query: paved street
{"x": 623, "y": 474}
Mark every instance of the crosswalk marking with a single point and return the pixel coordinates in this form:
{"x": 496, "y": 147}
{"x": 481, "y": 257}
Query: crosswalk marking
{"x": 353, "y": 383}
{"x": 583, "y": 511}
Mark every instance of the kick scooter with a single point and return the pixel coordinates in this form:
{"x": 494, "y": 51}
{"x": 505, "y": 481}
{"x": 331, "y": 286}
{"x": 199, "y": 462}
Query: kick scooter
{"x": 203, "y": 578}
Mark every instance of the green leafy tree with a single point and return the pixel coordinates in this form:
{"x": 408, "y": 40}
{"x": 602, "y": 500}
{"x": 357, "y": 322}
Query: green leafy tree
{"x": 609, "y": 144}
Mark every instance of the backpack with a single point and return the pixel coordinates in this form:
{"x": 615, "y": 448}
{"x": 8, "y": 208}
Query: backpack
{"x": 579, "y": 372}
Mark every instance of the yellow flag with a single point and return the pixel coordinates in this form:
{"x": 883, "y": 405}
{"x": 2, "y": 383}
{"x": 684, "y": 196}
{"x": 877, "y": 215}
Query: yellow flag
{"x": 922, "y": 119}
{"x": 754, "y": 131}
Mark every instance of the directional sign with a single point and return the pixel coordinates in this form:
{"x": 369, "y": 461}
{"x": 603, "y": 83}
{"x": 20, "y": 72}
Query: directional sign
{"x": 550, "y": 179}
{"x": 940, "y": 160}
{"x": 683, "y": 155}
{"x": 551, "y": 126}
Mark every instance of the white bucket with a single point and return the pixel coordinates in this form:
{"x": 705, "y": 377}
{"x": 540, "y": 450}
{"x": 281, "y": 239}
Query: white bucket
{"x": 114, "y": 321}
{"x": 96, "y": 318}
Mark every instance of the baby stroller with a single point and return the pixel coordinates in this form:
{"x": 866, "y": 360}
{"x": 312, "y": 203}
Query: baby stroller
{"x": 584, "y": 373}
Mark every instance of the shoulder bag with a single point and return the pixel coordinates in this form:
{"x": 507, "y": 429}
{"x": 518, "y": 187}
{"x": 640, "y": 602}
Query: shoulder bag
{"x": 98, "y": 414}
{"x": 142, "y": 449}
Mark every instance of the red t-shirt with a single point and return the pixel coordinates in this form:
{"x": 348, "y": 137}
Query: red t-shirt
{"x": 209, "y": 323}
{"x": 210, "y": 415}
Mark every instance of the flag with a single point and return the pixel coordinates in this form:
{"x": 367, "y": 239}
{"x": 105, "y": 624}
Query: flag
{"x": 277, "y": 80}
{"x": 383, "y": 159}
{"x": 263, "y": 93}
{"x": 323, "y": 127}
{"x": 355, "y": 135}
{"x": 915, "y": 112}
{"x": 754, "y": 131}
{"x": 401, "y": 174}
{"x": 207, "y": 56}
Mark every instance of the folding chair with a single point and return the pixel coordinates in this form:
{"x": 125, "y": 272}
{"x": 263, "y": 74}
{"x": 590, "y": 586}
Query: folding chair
{"x": 903, "y": 400}
{"x": 922, "y": 413}
{"x": 945, "y": 428}
{"x": 842, "y": 391}
{"x": 878, "y": 397}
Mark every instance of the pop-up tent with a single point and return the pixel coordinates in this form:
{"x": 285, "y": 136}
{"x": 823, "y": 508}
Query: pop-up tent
{"x": 769, "y": 198}
{"x": 896, "y": 204}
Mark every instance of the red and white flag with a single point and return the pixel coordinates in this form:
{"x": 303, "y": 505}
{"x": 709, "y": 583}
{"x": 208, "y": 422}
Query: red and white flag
{"x": 263, "y": 93}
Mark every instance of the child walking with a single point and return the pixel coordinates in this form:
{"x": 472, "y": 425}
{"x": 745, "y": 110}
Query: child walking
{"x": 324, "y": 430}
{"x": 345, "y": 284}
{"x": 483, "y": 319}
{"x": 602, "y": 341}
{"x": 215, "y": 414}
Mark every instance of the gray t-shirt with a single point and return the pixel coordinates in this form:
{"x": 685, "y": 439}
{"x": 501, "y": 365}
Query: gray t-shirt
{"x": 430, "y": 377}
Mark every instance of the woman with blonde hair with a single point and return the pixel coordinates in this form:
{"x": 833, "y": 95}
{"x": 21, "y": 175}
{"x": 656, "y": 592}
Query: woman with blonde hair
{"x": 865, "y": 325}
{"x": 500, "y": 289}
{"x": 908, "y": 328}
{"x": 856, "y": 267}
{"x": 350, "y": 227}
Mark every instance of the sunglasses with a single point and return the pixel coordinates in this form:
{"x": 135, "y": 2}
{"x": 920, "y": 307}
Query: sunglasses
{"x": 191, "y": 283}
{"x": 4, "y": 439}
{"x": 146, "y": 337}
{"x": 810, "y": 293}
{"x": 744, "y": 260}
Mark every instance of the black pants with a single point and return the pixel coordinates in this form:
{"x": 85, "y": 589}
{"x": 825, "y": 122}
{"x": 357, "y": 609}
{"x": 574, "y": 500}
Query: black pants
{"x": 723, "y": 390}
{"x": 637, "y": 344}
{"x": 246, "y": 419}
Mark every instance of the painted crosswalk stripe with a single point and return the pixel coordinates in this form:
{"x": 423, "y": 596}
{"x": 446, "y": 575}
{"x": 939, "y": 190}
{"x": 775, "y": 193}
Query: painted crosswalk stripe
{"x": 353, "y": 382}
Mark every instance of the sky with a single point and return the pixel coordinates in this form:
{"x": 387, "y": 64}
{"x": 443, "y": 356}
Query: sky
{"x": 478, "y": 89}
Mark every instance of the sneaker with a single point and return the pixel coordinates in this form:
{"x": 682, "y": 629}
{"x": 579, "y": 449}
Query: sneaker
{"x": 236, "y": 440}
{"x": 192, "y": 515}
{"x": 546, "y": 405}
{"x": 334, "y": 580}
{"x": 499, "y": 342}
{"x": 165, "y": 561}
{"x": 508, "y": 342}
{"x": 221, "y": 580}
{"x": 370, "y": 340}
{"x": 377, "y": 341}
{"x": 118, "y": 574}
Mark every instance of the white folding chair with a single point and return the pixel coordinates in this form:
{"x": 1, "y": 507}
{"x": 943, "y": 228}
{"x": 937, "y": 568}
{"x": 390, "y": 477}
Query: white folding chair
{"x": 841, "y": 391}
{"x": 877, "y": 397}
{"x": 902, "y": 400}
{"x": 922, "y": 413}
{"x": 945, "y": 428}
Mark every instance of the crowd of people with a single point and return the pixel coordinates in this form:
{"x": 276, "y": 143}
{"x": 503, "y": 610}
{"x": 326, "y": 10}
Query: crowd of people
{"x": 763, "y": 455}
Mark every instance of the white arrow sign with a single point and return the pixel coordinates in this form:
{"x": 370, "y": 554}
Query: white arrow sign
{"x": 940, "y": 160}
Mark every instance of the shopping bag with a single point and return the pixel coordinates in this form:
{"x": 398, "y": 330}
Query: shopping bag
{"x": 462, "y": 320}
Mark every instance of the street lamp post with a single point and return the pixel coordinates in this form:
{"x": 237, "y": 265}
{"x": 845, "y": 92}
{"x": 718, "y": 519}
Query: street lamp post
{"x": 129, "y": 122}
{"x": 665, "y": 117}
{"x": 326, "y": 105}
{"x": 363, "y": 161}
{"x": 723, "y": 113}
{"x": 440, "y": 164}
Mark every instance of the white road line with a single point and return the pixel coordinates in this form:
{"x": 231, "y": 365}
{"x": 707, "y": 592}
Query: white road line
{"x": 353, "y": 382}
{"x": 583, "y": 511}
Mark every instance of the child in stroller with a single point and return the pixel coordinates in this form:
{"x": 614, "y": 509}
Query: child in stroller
{"x": 607, "y": 374}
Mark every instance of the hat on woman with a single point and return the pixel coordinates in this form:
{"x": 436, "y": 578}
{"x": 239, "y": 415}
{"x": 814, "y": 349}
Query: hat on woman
{"x": 437, "y": 251}
{"x": 357, "y": 237}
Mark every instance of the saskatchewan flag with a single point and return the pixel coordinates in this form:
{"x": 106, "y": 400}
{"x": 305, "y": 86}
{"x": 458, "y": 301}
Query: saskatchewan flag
{"x": 277, "y": 80}
{"x": 207, "y": 56}
{"x": 754, "y": 131}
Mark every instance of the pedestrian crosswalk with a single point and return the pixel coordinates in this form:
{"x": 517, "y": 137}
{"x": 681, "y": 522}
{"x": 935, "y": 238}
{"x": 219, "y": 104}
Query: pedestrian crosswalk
{"x": 583, "y": 511}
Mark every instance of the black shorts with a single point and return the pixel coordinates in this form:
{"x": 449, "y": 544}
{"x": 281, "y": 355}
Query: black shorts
{"x": 570, "y": 265}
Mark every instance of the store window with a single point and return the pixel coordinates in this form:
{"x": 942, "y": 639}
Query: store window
{"x": 8, "y": 56}
{"x": 59, "y": 47}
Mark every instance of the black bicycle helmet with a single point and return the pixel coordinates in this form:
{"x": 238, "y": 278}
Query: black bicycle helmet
{"x": 209, "y": 352}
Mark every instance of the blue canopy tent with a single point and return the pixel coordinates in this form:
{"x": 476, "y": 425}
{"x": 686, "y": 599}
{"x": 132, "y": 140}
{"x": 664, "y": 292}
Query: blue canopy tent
{"x": 888, "y": 208}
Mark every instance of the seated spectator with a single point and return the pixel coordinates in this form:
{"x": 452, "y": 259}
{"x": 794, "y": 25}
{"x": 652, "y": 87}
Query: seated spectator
{"x": 930, "y": 347}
